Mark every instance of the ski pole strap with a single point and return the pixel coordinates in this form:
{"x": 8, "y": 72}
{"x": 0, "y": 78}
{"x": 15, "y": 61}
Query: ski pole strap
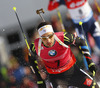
{"x": 91, "y": 64}
{"x": 60, "y": 42}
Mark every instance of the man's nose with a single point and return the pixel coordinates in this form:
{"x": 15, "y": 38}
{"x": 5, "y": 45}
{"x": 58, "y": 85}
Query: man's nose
{"x": 48, "y": 39}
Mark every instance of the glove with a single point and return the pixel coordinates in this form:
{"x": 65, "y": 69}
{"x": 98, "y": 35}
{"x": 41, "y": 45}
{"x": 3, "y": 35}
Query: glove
{"x": 92, "y": 67}
{"x": 41, "y": 84}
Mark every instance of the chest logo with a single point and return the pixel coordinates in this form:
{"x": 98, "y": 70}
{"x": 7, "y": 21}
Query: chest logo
{"x": 52, "y": 53}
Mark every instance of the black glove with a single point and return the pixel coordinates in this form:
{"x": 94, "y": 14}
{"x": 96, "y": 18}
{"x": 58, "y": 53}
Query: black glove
{"x": 92, "y": 67}
{"x": 41, "y": 84}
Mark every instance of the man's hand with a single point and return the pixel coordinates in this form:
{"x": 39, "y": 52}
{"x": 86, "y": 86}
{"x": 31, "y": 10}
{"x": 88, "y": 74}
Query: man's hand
{"x": 41, "y": 84}
{"x": 92, "y": 67}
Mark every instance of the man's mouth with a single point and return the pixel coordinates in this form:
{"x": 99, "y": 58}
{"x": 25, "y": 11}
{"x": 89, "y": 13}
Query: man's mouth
{"x": 49, "y": 44}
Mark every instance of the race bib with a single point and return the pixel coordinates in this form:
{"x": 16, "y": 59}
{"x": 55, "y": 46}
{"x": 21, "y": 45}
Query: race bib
{"x": 82, "y": 13}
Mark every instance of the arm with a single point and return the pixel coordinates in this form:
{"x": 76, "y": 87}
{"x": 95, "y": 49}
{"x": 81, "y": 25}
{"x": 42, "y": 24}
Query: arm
{"x": 34, "y": 64}
{"x": 71, "y": 39}
{"x": 82, "y": 44}
{"x": 52, "y": 5}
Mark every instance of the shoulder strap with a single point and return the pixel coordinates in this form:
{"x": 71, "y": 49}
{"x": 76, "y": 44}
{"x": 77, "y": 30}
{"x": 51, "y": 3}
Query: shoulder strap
{"x": 58, "y": 40}
{"x": 39, "y": 46}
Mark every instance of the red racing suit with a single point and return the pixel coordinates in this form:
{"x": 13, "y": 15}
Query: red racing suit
{"x": 57, "y": 58}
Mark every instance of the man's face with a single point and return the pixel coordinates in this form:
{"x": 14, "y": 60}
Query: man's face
{"x": 48, "y": 39}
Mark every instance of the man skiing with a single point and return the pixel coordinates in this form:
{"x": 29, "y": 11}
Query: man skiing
{"x": 54, "y": 50}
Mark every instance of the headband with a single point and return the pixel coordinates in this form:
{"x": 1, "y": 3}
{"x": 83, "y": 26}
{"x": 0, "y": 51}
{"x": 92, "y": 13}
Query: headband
{"x": 45, "y": 29}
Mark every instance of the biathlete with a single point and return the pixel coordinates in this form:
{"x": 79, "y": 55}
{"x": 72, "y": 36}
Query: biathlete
{"x": 80, "y": 11}
{"x": 54, "y": 50}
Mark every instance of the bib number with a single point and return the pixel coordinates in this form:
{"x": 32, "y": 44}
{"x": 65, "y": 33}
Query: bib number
{"x": 58, "y": 63}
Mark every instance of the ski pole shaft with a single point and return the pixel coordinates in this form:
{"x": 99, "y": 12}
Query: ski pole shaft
{"x": 85, "y": 62}
{"x": 14, "y": 8}
{"x": 60, "y": 18}
{"x": 98, "y": 7}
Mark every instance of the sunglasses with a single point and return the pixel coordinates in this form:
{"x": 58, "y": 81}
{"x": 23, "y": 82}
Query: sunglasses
{"x": 50, "y": 36}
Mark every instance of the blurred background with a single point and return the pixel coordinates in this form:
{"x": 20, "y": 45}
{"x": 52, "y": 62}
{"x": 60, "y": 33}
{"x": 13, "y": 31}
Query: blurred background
{"x": 14, "y": 68}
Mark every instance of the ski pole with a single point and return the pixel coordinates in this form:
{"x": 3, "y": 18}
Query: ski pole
{"x": 85, "y": 62}
{"x": 60, "y": 18}
{"x": 80, "y": 23}
{"x": 98, "y": 7}
{"x": 94, "y": 83}
{"x": 30, "y": 52}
